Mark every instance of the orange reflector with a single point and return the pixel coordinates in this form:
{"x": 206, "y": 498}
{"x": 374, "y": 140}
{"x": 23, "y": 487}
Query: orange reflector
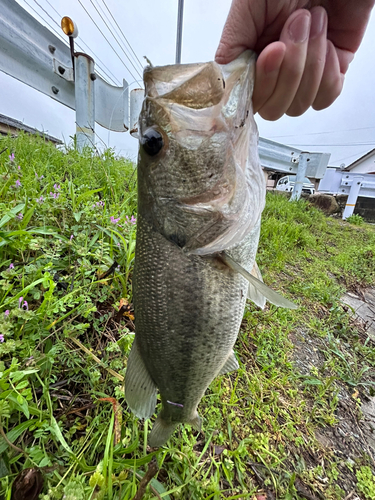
{"x": 68, "y": 27}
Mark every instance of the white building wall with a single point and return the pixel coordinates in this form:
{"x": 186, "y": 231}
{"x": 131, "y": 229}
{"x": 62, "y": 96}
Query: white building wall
{"x": 365, "y": 166}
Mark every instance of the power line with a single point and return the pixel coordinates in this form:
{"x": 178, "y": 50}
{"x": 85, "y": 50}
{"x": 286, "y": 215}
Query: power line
{"x": 358, "y": 155}
{"x": 323, "y": 133}
{"x": 106, "y": 39}
{"x": 115, "y": 38}
{"x": 131, "y": 48}
{"x": 52, "y": 28}
{"x": 113, "y": 80}
{"x": 353, "y": 145}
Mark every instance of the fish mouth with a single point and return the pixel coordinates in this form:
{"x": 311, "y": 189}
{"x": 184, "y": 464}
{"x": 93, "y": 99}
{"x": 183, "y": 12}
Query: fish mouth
{"x": 195, "y": 102}
{"x": 195, "y": 86}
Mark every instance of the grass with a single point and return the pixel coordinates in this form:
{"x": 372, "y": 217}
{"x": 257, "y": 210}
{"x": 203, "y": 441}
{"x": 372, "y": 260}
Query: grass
{"x": 67, "y": 240}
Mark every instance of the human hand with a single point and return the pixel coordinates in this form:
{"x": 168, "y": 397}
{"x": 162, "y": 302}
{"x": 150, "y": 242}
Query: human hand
{"x": 304, "y": 53}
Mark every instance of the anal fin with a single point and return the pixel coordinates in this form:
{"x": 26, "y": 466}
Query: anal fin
{"x": 253, "y": 293}
{"x": 269, "y": 294}
{"x": 140, "y": 390}
{"x": 230, "y": 365}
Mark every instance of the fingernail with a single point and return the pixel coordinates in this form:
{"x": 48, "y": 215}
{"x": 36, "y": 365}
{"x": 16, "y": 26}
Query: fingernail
{"x": 300, "y": 27}
{"x": 318, "y": 18}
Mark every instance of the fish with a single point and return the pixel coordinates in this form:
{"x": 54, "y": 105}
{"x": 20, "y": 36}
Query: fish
{"x": 201, "y": 192}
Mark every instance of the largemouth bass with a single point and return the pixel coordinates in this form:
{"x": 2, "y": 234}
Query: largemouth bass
{"x": 201, "y": 192}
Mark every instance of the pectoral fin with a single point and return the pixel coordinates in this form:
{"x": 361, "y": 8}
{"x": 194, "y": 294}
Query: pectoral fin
{"x": 253, "y": 293}
{"x": 140, "y": 390}
{"x": 230, "y": 365}
{"x": 268, "y": 293}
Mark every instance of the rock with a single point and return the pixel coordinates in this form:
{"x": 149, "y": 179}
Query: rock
{"x": 326, "y": 202}
{"x": 364, "y": 310}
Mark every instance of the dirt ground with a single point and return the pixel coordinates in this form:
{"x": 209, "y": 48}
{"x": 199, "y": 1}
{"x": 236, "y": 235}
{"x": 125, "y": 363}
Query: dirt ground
{"x": 354, "y": 434}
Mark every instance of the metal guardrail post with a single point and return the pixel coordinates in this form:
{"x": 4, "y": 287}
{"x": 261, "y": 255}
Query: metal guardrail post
{"x": 301, "y": 174}
{"x": 84, "y": 100}
{"x": 136, "y": 101}
{"x": 352, "y": 198}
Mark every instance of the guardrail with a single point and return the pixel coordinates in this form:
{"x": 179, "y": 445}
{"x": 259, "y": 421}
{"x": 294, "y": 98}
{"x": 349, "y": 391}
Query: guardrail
{"x": 353, "y": 184}
{"x": 32, "y": 54}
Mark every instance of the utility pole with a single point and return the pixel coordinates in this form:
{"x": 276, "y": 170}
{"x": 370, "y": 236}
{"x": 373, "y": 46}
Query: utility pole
{"x": 179, "y": 30}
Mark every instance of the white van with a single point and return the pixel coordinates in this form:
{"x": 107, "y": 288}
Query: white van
{"x": 287, "y": 184}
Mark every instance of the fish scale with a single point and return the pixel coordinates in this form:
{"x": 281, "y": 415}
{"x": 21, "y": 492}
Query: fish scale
{"x": 197, "y": 345}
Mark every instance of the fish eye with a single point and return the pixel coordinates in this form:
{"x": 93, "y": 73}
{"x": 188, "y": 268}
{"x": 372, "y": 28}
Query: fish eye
{"x": 152, "y": 141}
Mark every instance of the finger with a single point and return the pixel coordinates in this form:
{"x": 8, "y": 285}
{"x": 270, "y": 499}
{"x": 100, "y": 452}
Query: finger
{"x": 267, "y": 71}
{"x": 241, "y": 30}
{"x": 314, "y": 66}
{"x": 295, "y": 36}
{"x": 332, "y": 80}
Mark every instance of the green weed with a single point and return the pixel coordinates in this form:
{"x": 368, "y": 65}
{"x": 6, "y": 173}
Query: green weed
{"x": 355, "y": 219}
{"x": 366, "y": 482}
{"x": 67, "y": 243}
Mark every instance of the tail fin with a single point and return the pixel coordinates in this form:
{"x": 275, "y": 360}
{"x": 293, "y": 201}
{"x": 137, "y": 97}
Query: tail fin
{"x": 161, "y": 432}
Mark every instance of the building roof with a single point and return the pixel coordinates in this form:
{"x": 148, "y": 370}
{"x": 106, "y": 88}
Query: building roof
{"x": 359, "y": 160}
{"x": 11, "y": 126}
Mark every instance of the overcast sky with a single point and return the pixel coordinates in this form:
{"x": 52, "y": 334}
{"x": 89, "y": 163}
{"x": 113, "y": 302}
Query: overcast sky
{"x": 346, "y": 129}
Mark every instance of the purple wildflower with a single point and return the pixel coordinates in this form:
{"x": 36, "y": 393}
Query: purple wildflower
{"x": 11, "y": 266}
{"x": 25, "y": 305}
{"x": 6, "y": 314}
{"x": 11, "y": 157}
{"x": 18, "y": 183}
{"x": 19, "y": 167}
{"x": 56, "y": 187}
{"x": 133, "y": 220}
{"x": 113, "y": 220}
{"x": 71, "y": 237}
{"x": 1, "y": 337}
{"x": 20, "y": 302}
{"x": 40, "y": 200}
{"x": 118, "y": 244}
{"x": 20, "y": 216}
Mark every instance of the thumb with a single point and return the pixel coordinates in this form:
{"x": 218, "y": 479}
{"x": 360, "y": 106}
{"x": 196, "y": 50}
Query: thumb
{"x": 239, "y": 32}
